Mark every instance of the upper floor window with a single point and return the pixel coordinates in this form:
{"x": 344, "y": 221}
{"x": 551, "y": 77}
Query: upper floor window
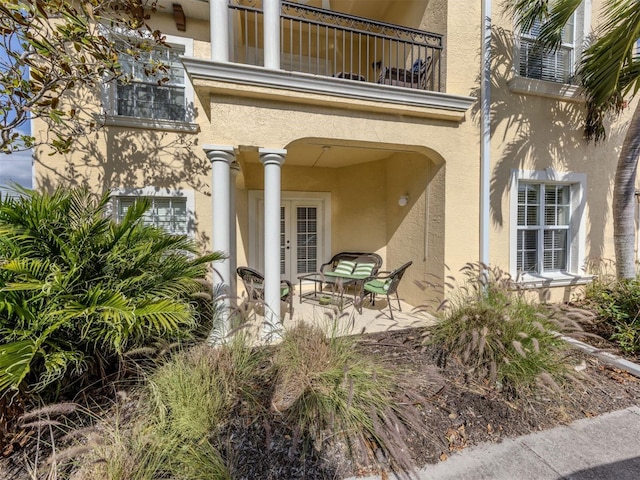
{"x": 163, "y": 98}
{"x": 553, "y": 66}
{"x": 159, "y": 95}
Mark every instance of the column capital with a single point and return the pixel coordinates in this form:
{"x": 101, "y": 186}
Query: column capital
{"x": 272, "y": 156}
{"x": 235, "y": 168}
{"x": 225, "y": 153}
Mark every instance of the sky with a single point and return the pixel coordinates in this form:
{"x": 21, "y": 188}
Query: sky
{"x": 16, "y": 167}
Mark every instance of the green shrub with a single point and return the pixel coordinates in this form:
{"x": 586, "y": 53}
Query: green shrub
{"x": 78, "y": 289}
{"x": 617, "y": 302}
{"x": 194, "y": 392}
{"x": 491, "y": 328}
{"x": 149, "y": 452}
{"x": 324, "y": 385}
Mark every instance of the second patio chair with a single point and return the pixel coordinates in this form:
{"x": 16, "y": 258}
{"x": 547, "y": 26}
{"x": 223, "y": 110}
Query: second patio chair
{"x": 254, "y": 285}
{"x": 385, "y": 284}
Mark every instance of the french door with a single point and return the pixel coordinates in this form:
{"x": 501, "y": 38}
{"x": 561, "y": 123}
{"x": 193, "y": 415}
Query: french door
{"x": 299, "y": 238}
{"x": 303, "y": 235}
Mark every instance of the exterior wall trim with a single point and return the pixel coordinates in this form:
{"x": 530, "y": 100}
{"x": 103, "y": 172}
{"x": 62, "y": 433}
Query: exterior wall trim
{"x": 541, "y": 88}
{"x": 150, "y": 124}
{"x": 200, "y": 69}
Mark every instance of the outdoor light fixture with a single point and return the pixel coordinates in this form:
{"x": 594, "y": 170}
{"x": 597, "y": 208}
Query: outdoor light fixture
{"x": 403, "y": 200}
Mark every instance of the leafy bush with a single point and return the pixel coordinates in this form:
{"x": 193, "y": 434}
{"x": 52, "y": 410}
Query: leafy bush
{"x": 492, "y": 328}
{"x": 78, "y": 289}
{"x": 617, "y": 301}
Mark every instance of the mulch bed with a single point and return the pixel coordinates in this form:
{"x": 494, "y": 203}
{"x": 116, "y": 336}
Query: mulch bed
{"x": 458, "y": 412}
{"x": 462, "y": 413}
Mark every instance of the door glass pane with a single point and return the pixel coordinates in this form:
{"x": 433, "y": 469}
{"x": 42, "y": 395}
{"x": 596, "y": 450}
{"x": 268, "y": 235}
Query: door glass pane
{"x": 306, "y": 239}
{"x": 283, "y": 249}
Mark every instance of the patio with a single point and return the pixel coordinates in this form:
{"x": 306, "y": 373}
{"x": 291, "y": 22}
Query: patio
{"x": 374, "y": 318}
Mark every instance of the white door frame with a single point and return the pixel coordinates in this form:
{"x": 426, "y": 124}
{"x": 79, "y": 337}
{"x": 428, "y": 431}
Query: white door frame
{"x": 324, "y": 221}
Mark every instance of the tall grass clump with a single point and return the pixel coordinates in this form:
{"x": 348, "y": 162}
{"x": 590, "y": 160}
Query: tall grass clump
{"x": 326, "y": 388}
{"x": 617, "y": 302}
{"x": 503, "y": 338}
{"x": 78, "y": 289}
{"x": 183, "y": 406}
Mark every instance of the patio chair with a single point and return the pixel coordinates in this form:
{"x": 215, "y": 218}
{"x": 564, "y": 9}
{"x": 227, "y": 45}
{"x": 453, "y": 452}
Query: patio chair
{"x": 254, "y": 285}
{"x": 417, "y": 77}
{"x": 386, "y": 283}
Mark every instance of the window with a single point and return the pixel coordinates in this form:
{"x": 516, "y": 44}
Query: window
{"x": 543, "y": 227}
{"x": 551, "y": 66}
{"x": 547, "y": 228}
{"x": 145, "y": 95}
{"x": 557, "y": 66}
{"x": 141, "y": 102}
{"x": 171, "y": 210}
{"x": 170, "y": 214}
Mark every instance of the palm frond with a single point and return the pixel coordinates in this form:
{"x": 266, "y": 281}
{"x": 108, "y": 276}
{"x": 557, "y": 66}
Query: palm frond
{"x": 527, "y": 12}
{"x": 15, "y": 362}
{"x": 609, "y": 68}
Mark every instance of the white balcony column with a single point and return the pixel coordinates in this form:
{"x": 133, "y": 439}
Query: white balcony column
{"x": 233, "y": 256}
{"x": 271, "y": 10}
{"x": 272, "y": 160}
{"x": 219, "y": 29}
{"x": 221, "y": 157}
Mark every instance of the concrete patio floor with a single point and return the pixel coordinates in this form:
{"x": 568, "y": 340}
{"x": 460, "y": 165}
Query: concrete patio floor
{"x": 343, "y": 321}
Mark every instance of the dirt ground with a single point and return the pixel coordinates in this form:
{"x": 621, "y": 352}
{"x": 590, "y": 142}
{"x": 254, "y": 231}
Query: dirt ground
{"x": 458, "y": 413}
{"x": 461, "y": 414}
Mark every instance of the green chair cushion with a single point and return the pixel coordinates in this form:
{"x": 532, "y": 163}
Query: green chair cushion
{"x": 344, "y": 267}
{"x": 377, "y": 286}
{"x": 363, "y": 270}
{"x": 284, "y": 291}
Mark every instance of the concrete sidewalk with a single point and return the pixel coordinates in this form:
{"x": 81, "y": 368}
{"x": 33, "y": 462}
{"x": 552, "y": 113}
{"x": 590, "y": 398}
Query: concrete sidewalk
{"x": 606, "y": 447}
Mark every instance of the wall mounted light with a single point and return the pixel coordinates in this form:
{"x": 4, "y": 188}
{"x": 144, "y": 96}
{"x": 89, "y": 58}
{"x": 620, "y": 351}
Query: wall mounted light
{"x": 403, "y": 200}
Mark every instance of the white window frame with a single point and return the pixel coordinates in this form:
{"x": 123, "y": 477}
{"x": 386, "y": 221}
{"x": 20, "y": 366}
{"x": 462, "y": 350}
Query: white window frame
{"x": 544, "y": 88}
{"x": 186, "y": 125}
{"x": 570, "y": 47}
{"x": 155, "y": 192}
{"x": 574, "y": 273}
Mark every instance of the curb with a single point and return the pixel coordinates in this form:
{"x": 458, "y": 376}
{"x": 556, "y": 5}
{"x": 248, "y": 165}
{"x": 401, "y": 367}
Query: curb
{"x": 621, "y": 363}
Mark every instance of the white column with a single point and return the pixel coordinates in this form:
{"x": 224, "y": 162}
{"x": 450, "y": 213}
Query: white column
{"x": 272, "y": 161}
{"x": 219, "y": 30}
{"x": 233, "y": 255}
{"x": 271, "y": 19}
{"x": 221, "y": 157}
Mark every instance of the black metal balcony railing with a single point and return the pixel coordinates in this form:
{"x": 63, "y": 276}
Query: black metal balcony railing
{"x": 323, "y": 42}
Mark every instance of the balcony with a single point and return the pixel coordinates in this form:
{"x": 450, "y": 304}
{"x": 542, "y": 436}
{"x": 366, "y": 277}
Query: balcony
{"x": 331, "y": 44}
{"x": 326, "y": 58}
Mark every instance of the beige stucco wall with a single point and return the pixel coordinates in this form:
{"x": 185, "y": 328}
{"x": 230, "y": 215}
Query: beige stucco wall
{"x": 531, "y": 132}
{"x": 435, "y": 162}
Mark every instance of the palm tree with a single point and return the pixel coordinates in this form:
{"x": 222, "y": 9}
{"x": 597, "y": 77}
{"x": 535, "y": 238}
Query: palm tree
{"x": 610, "y": 73}
{"x": 78, "y": 290}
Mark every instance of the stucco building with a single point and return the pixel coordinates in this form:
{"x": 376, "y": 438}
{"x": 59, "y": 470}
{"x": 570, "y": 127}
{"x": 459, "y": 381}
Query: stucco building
{"x": 291, "y": 130}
